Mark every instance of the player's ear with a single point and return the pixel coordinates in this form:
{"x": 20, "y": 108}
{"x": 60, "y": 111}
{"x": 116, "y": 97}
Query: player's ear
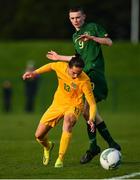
{"x": 84, "y": 16}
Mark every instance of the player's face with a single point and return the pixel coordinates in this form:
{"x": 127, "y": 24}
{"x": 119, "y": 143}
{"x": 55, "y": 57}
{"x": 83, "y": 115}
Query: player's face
{"x": 74, "y": 72}
{"x": 77, "y": 19}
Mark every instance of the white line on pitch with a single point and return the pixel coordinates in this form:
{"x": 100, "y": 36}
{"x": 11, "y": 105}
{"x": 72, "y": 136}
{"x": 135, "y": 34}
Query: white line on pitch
{"x": 127, "y": 176}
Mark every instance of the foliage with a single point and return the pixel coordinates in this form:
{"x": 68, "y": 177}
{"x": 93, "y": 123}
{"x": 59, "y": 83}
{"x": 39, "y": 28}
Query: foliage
{"x": 32, "y": 19}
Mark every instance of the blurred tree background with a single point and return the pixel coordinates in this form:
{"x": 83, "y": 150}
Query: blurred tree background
{"x": 33, "y": 19}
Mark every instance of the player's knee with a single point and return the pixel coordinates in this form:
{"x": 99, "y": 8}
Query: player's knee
{"x": 68, "y": 128}
{"x": 38, "y": 136}
{"x": 98, "y": 119}
{"x": 72, "y": 120}
{"x": 69, "y": 122}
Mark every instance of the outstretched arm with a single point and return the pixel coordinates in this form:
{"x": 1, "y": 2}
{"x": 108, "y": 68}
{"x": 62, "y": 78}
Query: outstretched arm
{"x": 54, "y": 56}
{"x": 101, "y": 40}
{"x": 33, "y": 74}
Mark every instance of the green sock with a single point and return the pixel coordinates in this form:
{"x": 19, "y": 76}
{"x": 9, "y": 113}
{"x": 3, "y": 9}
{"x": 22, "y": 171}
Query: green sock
{"x": 104, "y": 132}
{"x": 92, "y": 138}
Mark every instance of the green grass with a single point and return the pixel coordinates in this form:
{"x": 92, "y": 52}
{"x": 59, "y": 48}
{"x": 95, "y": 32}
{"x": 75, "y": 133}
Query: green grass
{"x": 21, "y": 155}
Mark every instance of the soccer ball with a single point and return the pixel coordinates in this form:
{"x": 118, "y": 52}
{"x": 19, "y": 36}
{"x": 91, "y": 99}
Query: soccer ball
{"x": 110, "y": 158}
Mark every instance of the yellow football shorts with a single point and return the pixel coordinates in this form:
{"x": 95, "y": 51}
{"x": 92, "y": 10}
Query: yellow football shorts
{"x": 56, "y": 112}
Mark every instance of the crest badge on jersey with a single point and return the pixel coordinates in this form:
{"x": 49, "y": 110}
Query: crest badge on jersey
{"x": 73, "y": 85}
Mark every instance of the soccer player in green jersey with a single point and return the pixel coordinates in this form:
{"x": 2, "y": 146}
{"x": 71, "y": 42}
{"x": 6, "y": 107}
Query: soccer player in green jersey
{"x": 87, "y": 40}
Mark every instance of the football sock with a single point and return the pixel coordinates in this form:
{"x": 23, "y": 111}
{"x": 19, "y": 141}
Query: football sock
{"x": 64, "y": 143}
{"x": 92, "y": 138}
{"x": 104, "y": 132}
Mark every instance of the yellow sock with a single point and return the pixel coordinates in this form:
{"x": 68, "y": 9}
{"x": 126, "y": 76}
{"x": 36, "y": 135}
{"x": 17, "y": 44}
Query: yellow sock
{"x": 64, "y": 143}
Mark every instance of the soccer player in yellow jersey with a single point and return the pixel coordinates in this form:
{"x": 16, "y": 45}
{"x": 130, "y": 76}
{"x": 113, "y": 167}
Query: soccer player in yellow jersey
{"x": 73, "y": 83}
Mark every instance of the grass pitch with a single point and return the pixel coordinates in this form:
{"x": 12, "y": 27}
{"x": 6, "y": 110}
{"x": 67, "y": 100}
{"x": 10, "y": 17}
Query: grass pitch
{"x": 21, "y": 155}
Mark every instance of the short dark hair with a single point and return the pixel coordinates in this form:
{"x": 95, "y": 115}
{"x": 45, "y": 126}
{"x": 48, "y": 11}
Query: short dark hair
{"x": 77, "y": 62}
{"x": 76, "y": 8}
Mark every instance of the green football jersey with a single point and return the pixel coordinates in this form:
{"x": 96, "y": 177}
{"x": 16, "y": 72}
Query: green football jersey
{"x": 90, "y": 51}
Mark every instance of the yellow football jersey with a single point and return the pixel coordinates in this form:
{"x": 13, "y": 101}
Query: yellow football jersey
{"x": 70, "y": 91}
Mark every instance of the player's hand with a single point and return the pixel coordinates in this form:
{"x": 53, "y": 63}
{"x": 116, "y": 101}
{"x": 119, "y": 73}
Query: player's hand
{"x": 92, "y": 125}
{"x": 85, "y": 37}
{"x": 28, "y": 75}
{"x": 52, "y": 55}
